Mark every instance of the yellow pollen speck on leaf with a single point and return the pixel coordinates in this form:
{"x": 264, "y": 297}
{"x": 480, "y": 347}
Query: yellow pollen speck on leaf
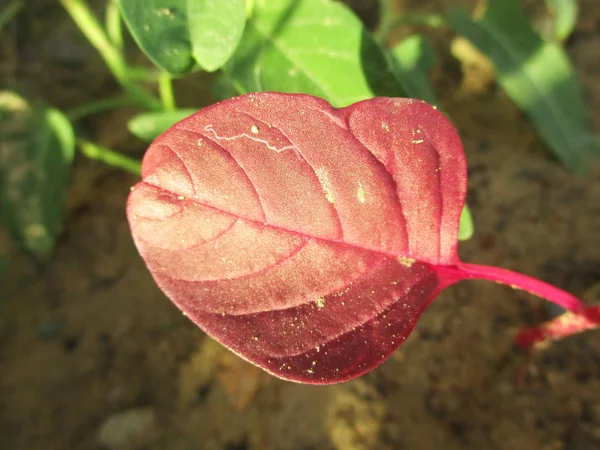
{"x": 323, "y": 178}
{"x": 361, "y": 195}
{"x": 254, "y": 129}
{"x": 163, "y": 12}
{"x": 406, "y": 262}
{"x": 320, "y": 302}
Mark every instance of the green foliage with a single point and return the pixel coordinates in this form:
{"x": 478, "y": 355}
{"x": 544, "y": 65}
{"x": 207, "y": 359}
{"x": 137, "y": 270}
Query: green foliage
{"x": 466, "y": 228}
{"x": 538, "y": 77}
{"x": 565, "y": 17}
{"x": 222, "y": 88}
{"x": 413, "y": 59}
{"x": 108, "y": 156}
{"x": 9, "y": 11}
{"x": 317, "y": 47}
{"x": 147, "y": 126}
{"x": 177, "y": 34}
{"x": 37, "y": 148}
{"x": 215, "y": 28}
{"x": 160, "y": 28}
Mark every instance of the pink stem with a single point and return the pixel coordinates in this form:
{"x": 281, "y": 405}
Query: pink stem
{"x": 451, "y": 274}
{"x": 580, "y": 318}
{"x": 559, "y": 327}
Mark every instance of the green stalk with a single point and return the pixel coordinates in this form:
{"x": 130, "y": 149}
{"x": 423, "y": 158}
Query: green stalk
{"x": 389, "y": 20}
{"x": 101, "y": 105}
{"x": 110, "y": 157}
{"x": 165, "y": 88}
{"x": 143, "y": 74}
{"x": 249, "y": 8}
{"x": 89, "y": 26}
{"x": 113, "y": 24}
{"x": 9, "y": 12}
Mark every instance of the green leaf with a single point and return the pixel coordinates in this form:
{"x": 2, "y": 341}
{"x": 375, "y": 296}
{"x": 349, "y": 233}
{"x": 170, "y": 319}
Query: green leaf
{"x": 413, "y": 59}
{"x": 538, "y": 77}
{"x": 565, "y": 17}
{"x": 216, "y": 27}
{"x": 147, "y": 126}
{"x": 466, "y": 228}
{"x": 222, "y": 87}
{"x": 160, "y": 28}
{"x": 316, "y": 47}
{"x": 37, "y": 149}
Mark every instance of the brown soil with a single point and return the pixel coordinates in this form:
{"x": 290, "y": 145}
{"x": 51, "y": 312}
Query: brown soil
{"x": 89, "y": 335}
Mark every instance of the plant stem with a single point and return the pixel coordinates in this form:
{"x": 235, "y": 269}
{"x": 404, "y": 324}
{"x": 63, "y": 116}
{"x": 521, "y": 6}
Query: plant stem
{"x": 389, "y": 21}
{"x": 110, "y": 157}
{"x": 579, "y": 316}
{"x": 145, "y": 74}
{"x": 249, "y": 8}
{"x": 386, "y": 18}
{"x": 89, "y": 26}
{"x": 562, "y": 326}
{"x": 9, "y": 12}
{"x": 452, "y": 274}
{"x": 165, "y": 88}
{"x": 113, "y": 24}
{"x": 99, "y": 106}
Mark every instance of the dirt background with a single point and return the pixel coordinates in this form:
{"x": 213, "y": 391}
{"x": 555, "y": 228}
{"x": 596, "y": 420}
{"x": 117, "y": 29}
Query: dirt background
{"x": 93, "y": 355}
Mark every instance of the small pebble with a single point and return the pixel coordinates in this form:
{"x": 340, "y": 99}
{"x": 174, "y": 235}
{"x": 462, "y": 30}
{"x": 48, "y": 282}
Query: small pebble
{"x": 127, "y": 429}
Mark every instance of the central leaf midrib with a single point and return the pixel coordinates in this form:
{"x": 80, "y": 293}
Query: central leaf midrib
{"x": 288, "y": 230}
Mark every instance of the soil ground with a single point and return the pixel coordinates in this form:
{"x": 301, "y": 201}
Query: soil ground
{"x": 93, "y": 355}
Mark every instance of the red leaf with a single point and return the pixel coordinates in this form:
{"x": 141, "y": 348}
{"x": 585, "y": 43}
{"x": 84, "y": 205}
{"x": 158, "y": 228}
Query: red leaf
{"x": 306, "y": 239}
